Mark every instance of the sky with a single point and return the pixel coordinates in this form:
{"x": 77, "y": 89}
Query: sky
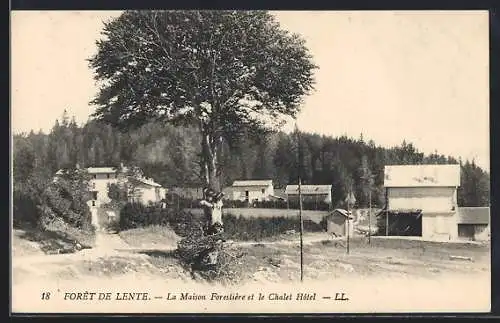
{"x": 422, "y": 76}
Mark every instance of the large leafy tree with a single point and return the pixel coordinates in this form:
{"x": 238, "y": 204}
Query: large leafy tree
{"x": 225, "y": 72}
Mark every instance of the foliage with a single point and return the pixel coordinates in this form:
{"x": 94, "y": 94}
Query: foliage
{"x": 67, "y": 199}
{"x": 328, "y": 160}
{"x": 224, "y": 72}
{"x": 279, "y": 204}
{"x": 257, "y": 228}
{"x": 55, "y": 209}
{"x": 27, "y": 198}
{"x": 117, "y": 192}
{"x": 137, "y": 215}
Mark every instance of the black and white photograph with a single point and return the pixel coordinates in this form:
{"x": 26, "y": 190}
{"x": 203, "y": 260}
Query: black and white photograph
{"x": 250, "y": 161}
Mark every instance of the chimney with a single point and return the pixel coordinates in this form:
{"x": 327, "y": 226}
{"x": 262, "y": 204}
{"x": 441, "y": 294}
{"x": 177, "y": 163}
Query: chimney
{"x": 121, "y": 165}
{"x": 77, "y": 166}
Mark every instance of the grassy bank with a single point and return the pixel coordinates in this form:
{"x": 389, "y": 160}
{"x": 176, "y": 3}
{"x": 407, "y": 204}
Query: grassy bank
{"x": 154, "y": 235}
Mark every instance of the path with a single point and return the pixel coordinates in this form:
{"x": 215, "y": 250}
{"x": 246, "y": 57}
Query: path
{"x": 106, "y": 245}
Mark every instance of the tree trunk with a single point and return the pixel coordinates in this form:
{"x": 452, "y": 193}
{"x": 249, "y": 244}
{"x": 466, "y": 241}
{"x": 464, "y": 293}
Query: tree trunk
{"x": 213, "y": 208}
{"x": 213, "y": 213}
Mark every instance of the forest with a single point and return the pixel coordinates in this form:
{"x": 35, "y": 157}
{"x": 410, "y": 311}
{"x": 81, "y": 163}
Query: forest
{"x": 170, "y": 155}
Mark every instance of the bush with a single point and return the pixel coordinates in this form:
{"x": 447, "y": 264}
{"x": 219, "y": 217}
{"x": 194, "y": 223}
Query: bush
{"x": 279, "y": 204}
{"x": 196, "y": 250}
{"x": 242, "y": 228}
{"x": 137, "y": 215}
{"x": 25, "y": 211}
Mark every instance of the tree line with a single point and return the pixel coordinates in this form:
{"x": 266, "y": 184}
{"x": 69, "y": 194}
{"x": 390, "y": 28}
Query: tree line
{"x": 170, "y": 155}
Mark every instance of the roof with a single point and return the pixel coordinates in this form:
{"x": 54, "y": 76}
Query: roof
{"x": 422, "y": 175}
{"x": 393, "y": 212}
{"x": 343, "y": 212}
{"x": 309, "y": 189}
{"x": 146, "y": 181}
{"x": 263, "y": 182}
{"x": 101, "y": 170}
{"x": 473, "y": 215}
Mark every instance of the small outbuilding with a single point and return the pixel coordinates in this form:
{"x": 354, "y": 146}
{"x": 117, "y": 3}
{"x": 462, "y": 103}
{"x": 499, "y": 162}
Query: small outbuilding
{"x": 473, "y": 223}
{"x": 310, "y": 193}
{"x": 338, "y": 222}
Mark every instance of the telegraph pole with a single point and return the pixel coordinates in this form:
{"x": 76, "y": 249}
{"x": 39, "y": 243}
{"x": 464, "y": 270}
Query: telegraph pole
{"x": 368, "y": 181}
{"x": 301, "y": 233}
{"x": 300, "y": 206}
{"x": 347, "y": 245}
{"x": 370, "y": 217}
{"x": 350, "y": 200}
{"x": 386, "y": 212}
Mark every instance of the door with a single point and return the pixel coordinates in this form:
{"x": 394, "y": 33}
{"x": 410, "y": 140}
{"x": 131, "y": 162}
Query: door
{"x": 466, "y": 231}
{"x": 247, "y": 196}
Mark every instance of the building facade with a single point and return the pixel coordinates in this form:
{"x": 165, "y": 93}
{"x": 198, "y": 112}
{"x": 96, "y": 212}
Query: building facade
{"x": 338, "y": 222}
{"x": 311, "y": 193}
{"x": 250, "y": 190}
{"x": 425, "y": 191}
{"x": 145, "y": 191}
{"x": 100, "y": 179}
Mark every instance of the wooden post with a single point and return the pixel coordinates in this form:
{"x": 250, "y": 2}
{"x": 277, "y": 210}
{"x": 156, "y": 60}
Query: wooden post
{"x": 370, "y": 217}
{"x": 386, "y": 212}
{"x": 301, "y": 233}
{"x": 347, "y": 226}
{"x": 300, "y": 205}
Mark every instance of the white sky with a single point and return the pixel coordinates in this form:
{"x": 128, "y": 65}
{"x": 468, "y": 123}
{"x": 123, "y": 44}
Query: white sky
{"x": 420, "y": 76}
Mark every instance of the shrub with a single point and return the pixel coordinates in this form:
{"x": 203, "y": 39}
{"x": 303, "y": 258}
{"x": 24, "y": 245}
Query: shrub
{"x": 137, "y": 215}
{"x": 258, "y": 228}
{"x": 279, "y": 204}
{"x": 195, "y": 251}
{"x": 25, "y": 211}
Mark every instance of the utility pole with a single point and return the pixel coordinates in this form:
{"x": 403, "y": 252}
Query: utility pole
{"x": 368, "y": 180}
{"x": 386, "y": 212}
{"x": 350, "y": 200}
{"x": 370, "y": 217}
{"x": 301, "y": 233}
{"x": 347, "y": 225}
{"x": 300, "y": 206}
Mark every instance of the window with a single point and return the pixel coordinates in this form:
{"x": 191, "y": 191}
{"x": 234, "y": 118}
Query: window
{"x": 263, "y": 190}
{"x": 93, "y": 185}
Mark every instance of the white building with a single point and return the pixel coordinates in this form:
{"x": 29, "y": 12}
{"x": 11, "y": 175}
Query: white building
{"x": 100, "y": 179}
{"x": 145, "y": 190}
{"x": 312, "y": 193}
{"x": 250, "y": 190}
{"x": 426, "y": 192}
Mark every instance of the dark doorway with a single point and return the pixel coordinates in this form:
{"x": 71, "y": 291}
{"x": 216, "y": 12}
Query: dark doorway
{"x": 466, "y": 231}
{"x": 247, "y": 196}
{"x": 401, "y": 223}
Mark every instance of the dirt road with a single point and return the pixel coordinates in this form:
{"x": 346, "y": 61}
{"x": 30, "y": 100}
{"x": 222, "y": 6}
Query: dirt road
{"x": 118, "y": 266}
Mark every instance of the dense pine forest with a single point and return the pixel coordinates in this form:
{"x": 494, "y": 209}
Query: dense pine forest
{"x": 170, "y": 155}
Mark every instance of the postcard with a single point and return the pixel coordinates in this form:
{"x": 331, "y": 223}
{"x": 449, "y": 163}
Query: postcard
{"x": 197, "y": 161}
